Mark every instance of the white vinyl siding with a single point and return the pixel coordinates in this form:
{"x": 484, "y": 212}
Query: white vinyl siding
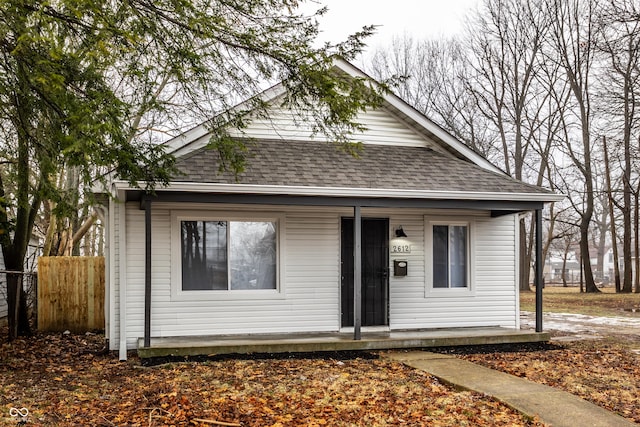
{"x": 382, "y": 128}
{"x": 310, "y": 301}
{"x": 311, "y": 275}
{"x": 3, "y": 300}
{"x": 493, "y": 301}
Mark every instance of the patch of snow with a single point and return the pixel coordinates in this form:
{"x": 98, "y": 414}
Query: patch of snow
{"x": 582, "y": 324}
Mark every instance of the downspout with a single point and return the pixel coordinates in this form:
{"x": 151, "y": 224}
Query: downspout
{"x": 147, "y": 271}
{"x": 538, "y": 271}
{"x": 517, "y": 266}
{"x": 357, "y": 272}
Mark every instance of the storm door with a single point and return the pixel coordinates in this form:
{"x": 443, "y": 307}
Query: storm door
{"x": 375, "y": 272}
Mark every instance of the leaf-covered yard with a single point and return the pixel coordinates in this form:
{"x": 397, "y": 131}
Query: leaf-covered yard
{"x": 605, "y": 372}
{"x": 65, "y": 381}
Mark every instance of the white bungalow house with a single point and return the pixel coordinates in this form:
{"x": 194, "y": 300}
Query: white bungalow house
{"x": 435, "y": 226}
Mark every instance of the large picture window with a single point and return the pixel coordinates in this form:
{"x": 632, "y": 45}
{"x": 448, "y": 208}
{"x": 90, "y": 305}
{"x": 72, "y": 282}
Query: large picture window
{"x": 228, "y": 255}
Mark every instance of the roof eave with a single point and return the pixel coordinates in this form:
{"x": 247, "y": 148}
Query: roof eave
{"x": 225, "y": 188}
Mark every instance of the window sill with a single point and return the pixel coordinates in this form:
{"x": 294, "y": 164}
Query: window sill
{"x": 449, "y": 292}
{"x": 221, "y": 295}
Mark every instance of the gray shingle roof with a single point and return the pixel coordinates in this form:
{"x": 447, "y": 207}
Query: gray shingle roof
{"x": 320, "y": 164}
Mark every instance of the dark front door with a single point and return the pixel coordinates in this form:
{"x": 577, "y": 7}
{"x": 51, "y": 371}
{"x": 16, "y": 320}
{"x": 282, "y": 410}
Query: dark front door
{"x": 375, "y": 272}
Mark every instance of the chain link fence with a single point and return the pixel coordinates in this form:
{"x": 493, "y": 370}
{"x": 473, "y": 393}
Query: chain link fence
{"x": 30, "y": 286}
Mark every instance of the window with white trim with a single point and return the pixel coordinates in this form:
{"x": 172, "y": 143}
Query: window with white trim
{"x": 228, "y": 254}
{"x": 448, "y": 255}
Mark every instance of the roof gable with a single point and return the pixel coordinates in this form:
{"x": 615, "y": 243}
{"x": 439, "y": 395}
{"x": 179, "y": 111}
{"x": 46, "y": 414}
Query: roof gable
{"x": 397, "y": 123}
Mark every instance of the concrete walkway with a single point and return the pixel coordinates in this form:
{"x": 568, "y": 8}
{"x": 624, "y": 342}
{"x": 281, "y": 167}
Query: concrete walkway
{"x": 552, "y": 406}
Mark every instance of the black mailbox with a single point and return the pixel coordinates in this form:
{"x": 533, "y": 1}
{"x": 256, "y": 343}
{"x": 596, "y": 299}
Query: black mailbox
{"x": 399, "y": 267}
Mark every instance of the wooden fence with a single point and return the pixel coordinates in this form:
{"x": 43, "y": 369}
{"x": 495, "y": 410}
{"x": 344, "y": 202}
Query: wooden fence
{"x": 71, "y": 293}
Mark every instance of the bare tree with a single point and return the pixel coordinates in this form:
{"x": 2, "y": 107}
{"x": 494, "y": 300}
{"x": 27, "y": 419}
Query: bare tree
{"x": 491, "y": 91}
{"x": 510, "y": 85}
{"x": 619, "y": 42}
{"x": 433, "y": 79}
{"x": 571, "y": 45}
{"x": 564, "y": 240}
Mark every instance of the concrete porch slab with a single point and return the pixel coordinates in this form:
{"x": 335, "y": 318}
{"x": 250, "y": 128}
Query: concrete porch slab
{"x": 312, "y": 342}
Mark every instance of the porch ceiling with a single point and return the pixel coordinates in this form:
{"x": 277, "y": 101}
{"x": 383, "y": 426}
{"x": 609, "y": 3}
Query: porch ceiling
{"x": 318, "y": 342}
{"x": 496, "y": 207}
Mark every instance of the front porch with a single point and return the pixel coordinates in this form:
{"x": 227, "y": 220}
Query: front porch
{"x": 313, "y": 342}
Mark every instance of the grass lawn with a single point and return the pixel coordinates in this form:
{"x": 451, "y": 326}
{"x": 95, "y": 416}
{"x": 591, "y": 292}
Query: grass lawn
{"x": 569, "y": 300}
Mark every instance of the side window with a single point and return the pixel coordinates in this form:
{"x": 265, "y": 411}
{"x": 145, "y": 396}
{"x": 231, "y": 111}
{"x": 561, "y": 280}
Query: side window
{"x": 450, "y": 256}
{"x": 220, "y": 255}
{"x": 447, "y": 254}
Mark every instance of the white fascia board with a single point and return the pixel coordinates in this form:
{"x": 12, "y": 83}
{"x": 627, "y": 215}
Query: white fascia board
{"x": 199, "y": 140}
{"x": 350, "y": 192}
{"x": 350, "y": 69}
{"x": 181, "y": 141}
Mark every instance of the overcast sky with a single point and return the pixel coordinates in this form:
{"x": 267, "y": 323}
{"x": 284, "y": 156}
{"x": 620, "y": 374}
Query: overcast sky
{"x": 419, "y": 18}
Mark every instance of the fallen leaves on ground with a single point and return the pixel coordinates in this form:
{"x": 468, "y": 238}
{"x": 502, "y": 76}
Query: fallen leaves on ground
{"x": 606, "y": 372}
{"x": 64, "y": 381}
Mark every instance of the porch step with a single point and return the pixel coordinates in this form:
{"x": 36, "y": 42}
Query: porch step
{"x": 315, "y": 342}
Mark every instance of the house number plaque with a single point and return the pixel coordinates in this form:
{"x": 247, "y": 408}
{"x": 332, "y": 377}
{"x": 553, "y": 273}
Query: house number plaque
{"x": 401, "y": 249}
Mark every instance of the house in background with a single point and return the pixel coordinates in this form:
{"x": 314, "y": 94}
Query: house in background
{"x": 34, "y": 250}
{"x": 418, "y": 233}
{"x": 572, "y": 268}
{"x": 554, "y": 267}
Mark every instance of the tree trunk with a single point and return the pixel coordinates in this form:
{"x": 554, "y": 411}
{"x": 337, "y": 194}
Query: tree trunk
{"x": 14, "y": 248}
{"x": 614, "y": 236}
{"x": 589, "y": 283}
{"x": 101, "y": 241}
{"x": 636, "y": 224}
{"x": 564, "y": 269}
{"x": 626, "y": 228}
{"x": 18, "y": 318}
{"x": 602, "y": 240}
